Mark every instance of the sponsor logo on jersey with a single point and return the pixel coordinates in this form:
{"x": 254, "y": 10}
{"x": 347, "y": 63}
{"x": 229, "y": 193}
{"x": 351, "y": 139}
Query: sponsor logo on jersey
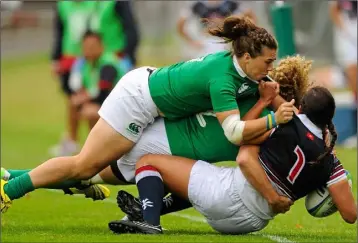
{"x": 134, "y": 128}
{"x": 310, "y": 136}
{"x": 243, "y": 88}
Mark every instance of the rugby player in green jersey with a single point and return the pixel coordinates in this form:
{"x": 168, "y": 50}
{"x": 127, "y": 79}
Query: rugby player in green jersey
{"x": 294, "y": 161}
{"x": 213, "y": 82}
{"x": 199, "y": 136}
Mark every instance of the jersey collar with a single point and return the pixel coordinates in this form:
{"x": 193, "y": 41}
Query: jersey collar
{"x": 240, "y": 71}
{"x": 310, "y": 125}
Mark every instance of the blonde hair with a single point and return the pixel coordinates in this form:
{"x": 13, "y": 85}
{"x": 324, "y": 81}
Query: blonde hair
{"x": 292, "y": 75}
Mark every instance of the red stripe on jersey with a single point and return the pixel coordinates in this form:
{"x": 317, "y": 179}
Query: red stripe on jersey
{"x": 298, "y": 166}
{"x": 105, "y": 85}
{"x": 337, "y": 168}
{"x": 144, "y": 168}
{"x": 337, "y": 174}
{"x": 66, "y": 63}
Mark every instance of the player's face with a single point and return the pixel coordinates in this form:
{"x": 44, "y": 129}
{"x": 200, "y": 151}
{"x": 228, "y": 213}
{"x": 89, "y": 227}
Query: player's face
{"x": 258, "y": 67}
{"x": 92, "y": 48}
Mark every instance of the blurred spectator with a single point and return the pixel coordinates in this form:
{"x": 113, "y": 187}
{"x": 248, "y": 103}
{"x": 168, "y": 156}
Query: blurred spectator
{"x": 11, "y": 10}
{"x": 119, "y": 29}
{"x": 115, "y": 23}
{"x": 72, "y": 19}
{"x": 92, "y": 78}
{"x": 344, "y": 18}
{"x": 192, "y": 24}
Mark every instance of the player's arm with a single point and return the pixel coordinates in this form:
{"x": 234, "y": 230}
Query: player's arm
{"x": 125, "y": 14}
{"x": 247, "y": 159}
{"x": 223, "y": 99}
{"x": 108, "y": 78}
{"x": 257, "y": 140}
{"x": 342, "y": 195}
{"x": 58, "y": 33}
{"x": 252, "y": 114}
{"x": 266, "y": 96}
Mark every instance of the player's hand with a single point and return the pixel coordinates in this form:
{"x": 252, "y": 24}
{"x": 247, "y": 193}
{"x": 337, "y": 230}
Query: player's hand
{"x": 268, "y": 91}
{"x": 79, "y": 98}
{"x": 281, "y": 204}
{"x": 55, "y": 68}
{"x": 285, "y": 112}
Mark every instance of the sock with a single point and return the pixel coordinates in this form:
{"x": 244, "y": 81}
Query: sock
{"x": 62, "y": 185}
{"x": 97, "y": 179}
{"x": 151, "y": 193}
{"x": 19, "y": 186}
{"x": 173, "y": 203}
{"x": 16, "y": 173}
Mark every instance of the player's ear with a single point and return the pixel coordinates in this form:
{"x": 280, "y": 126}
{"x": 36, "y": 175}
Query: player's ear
{"x": 247, "y": 57}
{"x": 299, "y": 109}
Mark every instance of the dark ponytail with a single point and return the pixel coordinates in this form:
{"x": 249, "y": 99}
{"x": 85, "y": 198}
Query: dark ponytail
{"x": 246, "y": 37}
{"x": 319, "y": 106}
{"x": 333, "y": 139}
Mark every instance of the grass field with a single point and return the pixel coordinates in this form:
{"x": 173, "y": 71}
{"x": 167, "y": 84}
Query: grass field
{"x": 32, "y": 120}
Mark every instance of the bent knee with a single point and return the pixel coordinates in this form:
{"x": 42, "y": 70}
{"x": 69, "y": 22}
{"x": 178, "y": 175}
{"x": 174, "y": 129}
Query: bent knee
{"x": 144, "y": 160}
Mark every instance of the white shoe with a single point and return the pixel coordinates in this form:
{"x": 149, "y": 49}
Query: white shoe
{"x": 66, "y": 147}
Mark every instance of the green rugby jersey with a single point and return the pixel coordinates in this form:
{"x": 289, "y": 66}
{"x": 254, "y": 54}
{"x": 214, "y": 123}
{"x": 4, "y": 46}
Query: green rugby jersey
{"x": 208, "y": 83}
{"x": 202, "y": 137}
{"x": 76, "y": 17}
{"x": 91, "y": 73}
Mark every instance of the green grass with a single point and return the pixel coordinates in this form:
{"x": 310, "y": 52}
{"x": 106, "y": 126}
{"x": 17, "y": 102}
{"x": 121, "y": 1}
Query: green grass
{"x": 32, "y": 119}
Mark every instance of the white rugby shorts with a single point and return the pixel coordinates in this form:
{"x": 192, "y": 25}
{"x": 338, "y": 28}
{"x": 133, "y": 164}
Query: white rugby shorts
{"x": 154, "y": 140}
{"x": 129, "y": 108}
{"x": 212, "y": 191}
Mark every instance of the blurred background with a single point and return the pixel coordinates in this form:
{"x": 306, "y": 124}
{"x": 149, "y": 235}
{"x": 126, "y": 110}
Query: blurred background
{"x": 166, "y": 32}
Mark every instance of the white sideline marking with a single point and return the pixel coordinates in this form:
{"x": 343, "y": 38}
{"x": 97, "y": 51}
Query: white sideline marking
{"x": 196, "y": 219}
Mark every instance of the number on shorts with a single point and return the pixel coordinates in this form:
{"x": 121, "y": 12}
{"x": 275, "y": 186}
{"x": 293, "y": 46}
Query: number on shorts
{"x": 298, "y": 166}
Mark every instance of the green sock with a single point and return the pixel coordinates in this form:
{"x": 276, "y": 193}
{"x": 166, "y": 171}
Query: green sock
{"x": 19, "y": 186}
{"x": 62, "y": 185}
{"x": 22, "y": 184}
{"x": 16, "y": 173}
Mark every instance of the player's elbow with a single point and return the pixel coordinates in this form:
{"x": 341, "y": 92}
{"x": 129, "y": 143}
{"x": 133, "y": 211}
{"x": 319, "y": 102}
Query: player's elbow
{"x": 242, "y": 159}
{"x": 233, "y": 129}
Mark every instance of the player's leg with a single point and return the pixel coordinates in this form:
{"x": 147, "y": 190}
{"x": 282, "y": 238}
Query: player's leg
{"x": 102, "y": 145}
{"x": 151, "y": 171}
{"x": 96, "y": 192}
{"x": 124, "y": 115}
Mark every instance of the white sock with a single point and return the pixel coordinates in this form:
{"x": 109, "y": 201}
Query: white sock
{"x": 97, "y": 179}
